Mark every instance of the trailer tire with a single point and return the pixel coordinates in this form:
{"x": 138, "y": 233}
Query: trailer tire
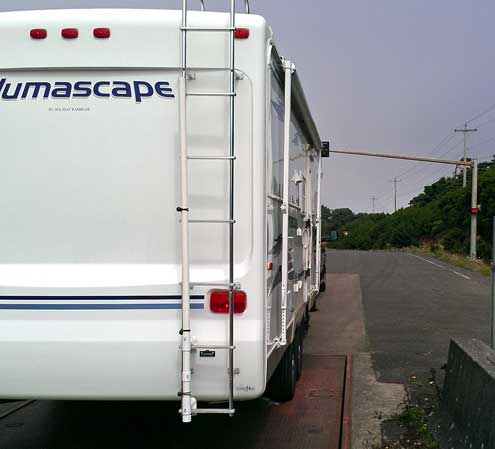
{"x": 282, "y": 385}
{"x": 323, "y": 284}
{"x": 306, "y": 321}
{"x": 299, "y": 351}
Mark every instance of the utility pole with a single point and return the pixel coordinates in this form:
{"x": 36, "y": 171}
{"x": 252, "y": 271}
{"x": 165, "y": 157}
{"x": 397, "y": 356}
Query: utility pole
{"x": 395, "y": 181}
{"x": 373, "y": 198}
{"x": 474, "y": 209}
{"x": 466, "y": 131}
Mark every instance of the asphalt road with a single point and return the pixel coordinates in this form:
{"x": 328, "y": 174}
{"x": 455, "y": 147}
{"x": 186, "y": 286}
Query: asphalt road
{"x": 413, "y": 307}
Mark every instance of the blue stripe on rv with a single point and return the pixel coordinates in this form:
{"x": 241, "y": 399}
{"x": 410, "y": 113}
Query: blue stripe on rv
{"x": 93, "y": 298}
{"x": 97, "y": 306}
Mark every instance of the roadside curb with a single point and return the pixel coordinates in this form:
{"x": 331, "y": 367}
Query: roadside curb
{"x": 346, "y": 431}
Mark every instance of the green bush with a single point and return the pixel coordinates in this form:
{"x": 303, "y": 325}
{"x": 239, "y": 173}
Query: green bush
{"x": 440, "y": 214}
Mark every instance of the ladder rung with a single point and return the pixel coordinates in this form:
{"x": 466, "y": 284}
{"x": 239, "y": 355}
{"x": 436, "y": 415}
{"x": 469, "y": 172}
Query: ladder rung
{"x": 219, "y": 411}
{"x": 211, "y": 221}
{"x": 213, "y": 347}
{"x": 211, "y": 94}
{"x": 224, "y": 29}
{"x": 235, "y": 285}
{"x": 212, "y": 158}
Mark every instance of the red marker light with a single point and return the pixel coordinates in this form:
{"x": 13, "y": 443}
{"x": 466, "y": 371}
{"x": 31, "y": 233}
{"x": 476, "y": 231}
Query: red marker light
{"x": 241, "y": 33}
{"x": 38, "y": 33}
{"x": 70, "y": 33}
{"x": 270, "y": 266}
{"x": 219, "y": 301}
{"x": 101, "y": 33}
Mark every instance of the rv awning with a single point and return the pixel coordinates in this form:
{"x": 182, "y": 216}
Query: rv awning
{"x": 300, "y": 105}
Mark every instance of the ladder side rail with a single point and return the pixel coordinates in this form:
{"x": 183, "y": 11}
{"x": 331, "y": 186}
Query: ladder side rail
{"x": 288, "y": 69}
{"x": 231, "y": 205}
{"x": 186, "y": 402}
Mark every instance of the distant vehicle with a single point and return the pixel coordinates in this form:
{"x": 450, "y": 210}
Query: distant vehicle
{"x": 160, "y": 208}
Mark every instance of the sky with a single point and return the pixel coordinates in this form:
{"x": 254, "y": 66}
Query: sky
{"x": 381, "y": 76}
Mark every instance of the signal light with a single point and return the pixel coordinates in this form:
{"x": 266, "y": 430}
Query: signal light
{"x": 219, "y": 301}
{"x": 38, "y": 33}
{"x": 101, "y": 33}
{"x": 241, "y": 33}
{"x": 70, "y": 33}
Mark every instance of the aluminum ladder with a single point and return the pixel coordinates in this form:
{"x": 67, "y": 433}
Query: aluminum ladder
{"x": 188, "y": 401}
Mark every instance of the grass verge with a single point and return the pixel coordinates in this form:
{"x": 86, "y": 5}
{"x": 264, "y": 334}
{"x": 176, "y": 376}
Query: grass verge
{"x": 412, "y": 427}
{"x": 457, "y": 260}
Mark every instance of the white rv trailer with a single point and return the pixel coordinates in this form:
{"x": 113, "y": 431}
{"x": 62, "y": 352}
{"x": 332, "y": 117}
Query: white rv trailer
{"x": 160, "y": 207}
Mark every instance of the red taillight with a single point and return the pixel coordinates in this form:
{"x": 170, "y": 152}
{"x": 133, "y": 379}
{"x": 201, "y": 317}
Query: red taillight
{"x": 241, "y": 33}
{"x": 38, "y": 33}
{"x": 70, "y": 33}
{"x": 101, "y": 33}
{"x": 219, "y": 301}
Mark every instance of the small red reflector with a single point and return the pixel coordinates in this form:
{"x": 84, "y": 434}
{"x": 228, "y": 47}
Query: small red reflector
{"x": 219, "y": 301}
{"x": 101, "y": 33}
{"x": 241, "y": 33}
{"x": 474, "y": 210}
{"x": 70, "y": 33}
{"x": 39, "y": 33}
{"x": 270, "y": 266}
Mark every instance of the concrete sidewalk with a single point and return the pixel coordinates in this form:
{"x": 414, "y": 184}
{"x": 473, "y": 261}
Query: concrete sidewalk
{"x": 340, "y": 321}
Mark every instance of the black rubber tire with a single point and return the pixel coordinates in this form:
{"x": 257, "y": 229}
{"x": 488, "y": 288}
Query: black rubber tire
{"x": 306, "y": 321}
{"x": 323, "y": 284}
{"x": 282, "y": 385}
{"x": 299, "y": 351}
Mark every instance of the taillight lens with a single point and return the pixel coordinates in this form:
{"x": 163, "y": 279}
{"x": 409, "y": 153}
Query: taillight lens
{"x": 219, "y": 301}
{"x": 39, "y": 33}
{"x": 241, "y": 33}
{"x": 70, "y": 33}
{"x": 101, "y": 33}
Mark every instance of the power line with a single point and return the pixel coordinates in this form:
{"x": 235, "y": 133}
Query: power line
{"x": 481, "y": 114}
{"x": 486, "y": 123}
{"x": 482, "y": 143}
{"x": 443, "y": 142}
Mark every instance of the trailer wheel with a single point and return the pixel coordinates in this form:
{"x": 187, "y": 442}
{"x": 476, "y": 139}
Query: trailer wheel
{"x": 323, "y": 279}
{"x": 299, "y": 351}
{"x": 282, "y": 385}
{"x": 323, "y": 284}
{"x": 306, "y": 321}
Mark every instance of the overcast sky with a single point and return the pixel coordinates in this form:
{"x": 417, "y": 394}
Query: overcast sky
{"x": 380, "y": 75}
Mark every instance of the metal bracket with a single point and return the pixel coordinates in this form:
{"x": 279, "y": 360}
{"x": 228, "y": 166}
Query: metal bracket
{"x": 239, "y": 75}
{"x": 288, "y": 65}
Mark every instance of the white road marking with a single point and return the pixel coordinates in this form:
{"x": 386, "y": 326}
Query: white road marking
{"x": 443, "y": 267}
{"x": 429, "y": 261}
{"x": 461, "y": 275}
